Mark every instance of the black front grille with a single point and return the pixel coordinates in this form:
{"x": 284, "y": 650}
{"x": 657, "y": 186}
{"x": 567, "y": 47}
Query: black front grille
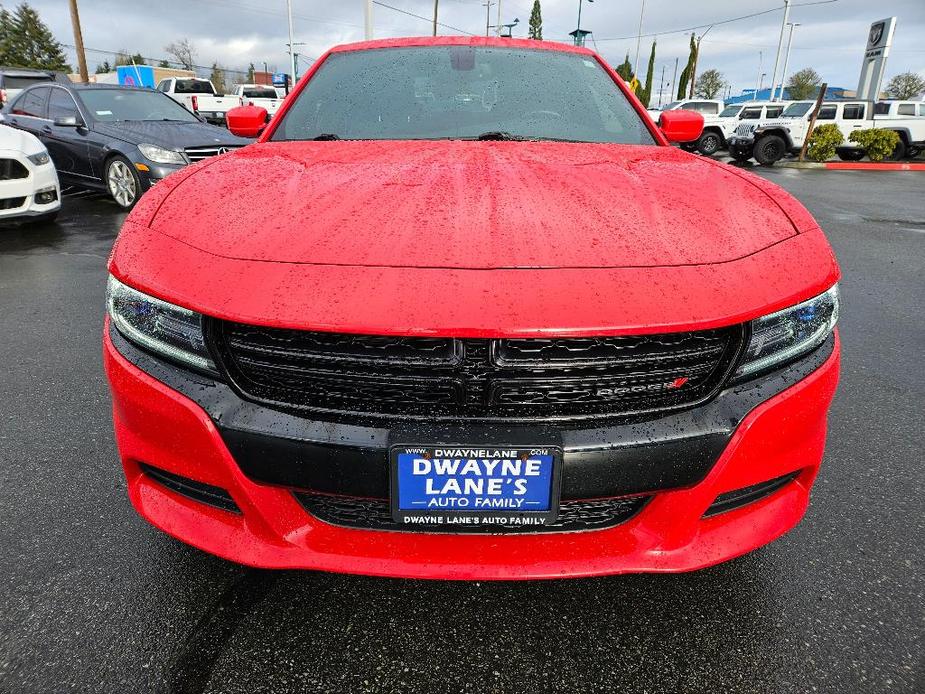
{"x": 374, "y": 514}
{"x": 447, "y": 378}
{"x": 11, "y": 203}
{"x": 11, "y": 169}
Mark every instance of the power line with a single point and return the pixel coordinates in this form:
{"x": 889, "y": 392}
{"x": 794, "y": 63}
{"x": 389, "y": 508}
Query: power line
{"x": 429, "y": 20}
{"x": 716, "y": 23}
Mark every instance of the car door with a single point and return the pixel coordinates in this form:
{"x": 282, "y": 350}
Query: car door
{"x": 27, "y": 112}
{"x": 67, "y": 144}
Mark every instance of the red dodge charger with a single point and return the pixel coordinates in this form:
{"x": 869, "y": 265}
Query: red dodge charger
{"x": 463, "y": 312}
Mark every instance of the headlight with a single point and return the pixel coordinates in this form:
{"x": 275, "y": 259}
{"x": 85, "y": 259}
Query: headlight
{"x": 783, "y": 336}
{"x": 160, "y": 155}
{"x": 39, "y": 159}
{"x": 171, "y": 331}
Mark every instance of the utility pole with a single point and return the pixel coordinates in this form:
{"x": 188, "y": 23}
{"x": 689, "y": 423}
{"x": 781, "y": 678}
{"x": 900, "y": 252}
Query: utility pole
{"x": 639, "y": 37}
{"x": 661, "y": 85}
{"x": 79, "y": 43}
{"x": 760, "y": 58}
{"x": 498, "y": 23}
{"x": 674, "y": 80}
{"x": 780, "y": 45}
{"x": 488, "y": 4}
{"x": 783, "y": 76}
{"x": 368, "y": 17}
{"x": 291, "y": 46}
{"x": 436, "y": 2}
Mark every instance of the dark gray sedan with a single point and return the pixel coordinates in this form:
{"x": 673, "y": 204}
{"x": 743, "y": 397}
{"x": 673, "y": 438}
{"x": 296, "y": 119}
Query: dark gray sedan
{"x": 117, "y": 139}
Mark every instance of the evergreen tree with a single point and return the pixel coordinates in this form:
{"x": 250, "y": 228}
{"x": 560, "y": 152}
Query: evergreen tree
{"x": 25, "y": 41}
{"x": 163, "y": 63}
{"x": 645, "y": 94}
{"x": 625, "y": 69}
{"x": 103, "y": 67}
{"x": 688, "y": 70}
{"x": 250, "y": 73}
{"x": 536, "y": 22}
{"x": 218, "y": 79}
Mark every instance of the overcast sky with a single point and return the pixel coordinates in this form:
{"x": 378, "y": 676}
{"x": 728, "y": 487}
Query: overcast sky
{"x": 831, "y": 37}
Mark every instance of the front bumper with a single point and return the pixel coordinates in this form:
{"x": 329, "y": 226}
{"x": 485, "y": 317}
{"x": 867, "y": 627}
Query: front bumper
{"x": 21, "y": 192}
{"x": 768, "y": 428}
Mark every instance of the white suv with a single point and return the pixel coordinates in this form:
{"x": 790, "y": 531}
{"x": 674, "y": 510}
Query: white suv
{"x": 28, "y": 181}
{"x": 718, "y": 129}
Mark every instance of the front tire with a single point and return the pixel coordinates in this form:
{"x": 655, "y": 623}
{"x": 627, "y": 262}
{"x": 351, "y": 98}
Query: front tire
{"x": 899, "y": 152}
{"x": 122, "y": 182}
{"x": 770, "y": 149}
{"x": 709, "y": 143}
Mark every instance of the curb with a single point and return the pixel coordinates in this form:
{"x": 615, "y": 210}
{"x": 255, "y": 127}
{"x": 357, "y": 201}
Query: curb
{"x": 853, "y": 165}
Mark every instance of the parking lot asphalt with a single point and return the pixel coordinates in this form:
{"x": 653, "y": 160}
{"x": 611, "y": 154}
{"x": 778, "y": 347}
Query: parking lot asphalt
{"x": 93, "y": 599}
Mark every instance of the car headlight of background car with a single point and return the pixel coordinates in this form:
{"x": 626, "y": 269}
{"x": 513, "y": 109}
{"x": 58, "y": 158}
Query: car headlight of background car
{"x": 160, "y": 155}
{"x": 170, "y": 331}
{"x": 783, "y": 336}
{"x": 39, "y": 159}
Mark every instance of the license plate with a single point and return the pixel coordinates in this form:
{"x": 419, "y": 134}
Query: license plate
{"x": 475, "y": 485}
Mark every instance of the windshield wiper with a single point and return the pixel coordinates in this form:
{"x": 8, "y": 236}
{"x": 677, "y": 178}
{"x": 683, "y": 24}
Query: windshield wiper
{"x": 326, "y": 136}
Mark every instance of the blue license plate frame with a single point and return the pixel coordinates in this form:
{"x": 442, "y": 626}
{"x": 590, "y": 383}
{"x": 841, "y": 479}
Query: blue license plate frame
{"x": 407, "y": 488}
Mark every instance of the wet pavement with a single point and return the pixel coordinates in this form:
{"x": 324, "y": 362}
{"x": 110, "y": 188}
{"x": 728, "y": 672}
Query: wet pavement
{"x": 94, "y": 599}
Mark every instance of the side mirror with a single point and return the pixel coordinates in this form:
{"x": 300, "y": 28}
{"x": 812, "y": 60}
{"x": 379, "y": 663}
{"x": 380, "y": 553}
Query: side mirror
{"x": 67, "y": 122}
{"x": 247, "y": 121}
{"x": 681, "y": 126}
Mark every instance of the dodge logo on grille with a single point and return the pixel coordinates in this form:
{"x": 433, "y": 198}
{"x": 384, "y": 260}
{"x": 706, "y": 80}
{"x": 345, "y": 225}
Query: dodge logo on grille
{"x": 643, "y": 388}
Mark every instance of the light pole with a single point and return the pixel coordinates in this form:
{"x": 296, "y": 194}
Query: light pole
{"x": 435, "y": 16}
{"x": 760, "y": 75}
{"x": 368, "y": 18}
{"x": 291, "y": 49}
{"x": 780, "y": 45}
{"x": 488, "y": 4}
{"x": 783, "y": 76}
{"x": 579, "y": 15}
{"x": 761, "y": 80}
{"x": 639, "y": 36}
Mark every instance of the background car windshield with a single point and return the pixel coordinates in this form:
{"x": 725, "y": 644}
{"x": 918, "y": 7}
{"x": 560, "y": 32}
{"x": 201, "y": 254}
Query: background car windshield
{"x": 122, "y": 104}
{"x": 462, "y": 92}
{"x": 730, "y": 111}
{"x": 193, "y": 87}
{"x": 797, "y": 110}
{"x": 260, "y": 93}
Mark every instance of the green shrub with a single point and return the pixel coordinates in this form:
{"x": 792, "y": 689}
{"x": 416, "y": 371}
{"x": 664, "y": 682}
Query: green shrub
{"x": 876, "y": 142}
{"x": 823, "y": 141}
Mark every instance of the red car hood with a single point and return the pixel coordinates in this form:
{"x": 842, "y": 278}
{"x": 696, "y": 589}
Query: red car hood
{"x": 453, "y": 204}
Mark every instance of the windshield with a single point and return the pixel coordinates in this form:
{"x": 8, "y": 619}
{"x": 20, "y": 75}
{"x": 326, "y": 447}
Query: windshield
{"x": 127, "y": 104}
{"x": 193, "y": 87}
{"x": 672, "y": 105}
{"x": 460, "y": 92}
{"x": 797, "y": 109}
{"x": 13, "y": 82}
{"x": 259, "y": 93}
{"x": 730, "y": 111}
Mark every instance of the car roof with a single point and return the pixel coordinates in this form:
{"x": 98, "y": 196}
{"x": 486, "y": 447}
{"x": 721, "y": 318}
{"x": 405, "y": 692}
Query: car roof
{"x": 26, "y": 72}
{"x": 475, "y": 41}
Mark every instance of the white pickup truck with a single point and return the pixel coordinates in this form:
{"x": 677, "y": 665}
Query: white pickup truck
{"x": 259, "y": 95}
{"x": 719, "y": 128}
{"x": 772, "y": 140}
{"x": 200, "y": 97}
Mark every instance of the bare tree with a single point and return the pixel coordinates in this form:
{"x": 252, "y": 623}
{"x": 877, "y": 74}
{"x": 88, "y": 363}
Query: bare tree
{"x": 710, "y": 84}
{"x": 183, "y": 51}
{"x": 906, "y": 85}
